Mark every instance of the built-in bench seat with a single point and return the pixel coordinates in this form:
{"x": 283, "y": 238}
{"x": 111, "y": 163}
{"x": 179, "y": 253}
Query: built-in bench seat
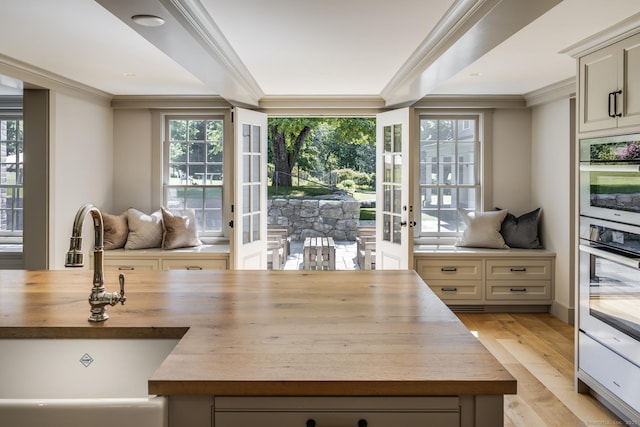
{"x": 203, "y": 257}
{"x": 478, "y": 279}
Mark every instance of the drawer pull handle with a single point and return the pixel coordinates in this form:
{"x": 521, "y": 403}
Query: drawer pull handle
{"x": 193, "y": 267}
{"x": 449, "y": 269}
{"x": 126, "y": 268}
{"x": 449, "y": 289}
{"x": 312, "y": 423}
{"x": 518, "y": 269}
{"x": 518, "y": 289}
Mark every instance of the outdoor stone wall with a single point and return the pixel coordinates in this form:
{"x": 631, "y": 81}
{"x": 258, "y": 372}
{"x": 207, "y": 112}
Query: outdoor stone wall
{"x": 315, "y": 217}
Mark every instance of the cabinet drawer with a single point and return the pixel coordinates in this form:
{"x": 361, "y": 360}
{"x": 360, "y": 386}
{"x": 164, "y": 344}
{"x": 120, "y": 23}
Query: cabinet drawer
{"x": 458, "y": 290}
{"x": 519, "y": 290}
{"x": 615, "y": 373}
{"x": 346, "y": 419}
{"x": 449, "y": 269}
{"x": 194, "y": 264}
{"x": 517, "y": 269}
{"x": 129, "y": 264}
{"x": 337, "y": 411}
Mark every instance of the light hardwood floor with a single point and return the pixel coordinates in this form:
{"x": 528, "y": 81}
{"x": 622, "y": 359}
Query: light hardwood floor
{"x": 537, "y": 349}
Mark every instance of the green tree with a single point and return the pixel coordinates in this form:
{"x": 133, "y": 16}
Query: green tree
{"x": 320, "y": 143}
{"x": 287, "y": 137}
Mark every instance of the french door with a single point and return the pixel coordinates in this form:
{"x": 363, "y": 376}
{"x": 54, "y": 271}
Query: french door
{"x": 394, "y": 189}
{"x": 249, "y": 209}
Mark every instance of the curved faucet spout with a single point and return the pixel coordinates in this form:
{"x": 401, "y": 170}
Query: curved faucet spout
{"x": 98, "y": 299}
{"x": 75, "y": 257}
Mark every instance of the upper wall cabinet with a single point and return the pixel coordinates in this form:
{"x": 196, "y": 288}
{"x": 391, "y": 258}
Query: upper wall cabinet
{"x": 609, "y": 81}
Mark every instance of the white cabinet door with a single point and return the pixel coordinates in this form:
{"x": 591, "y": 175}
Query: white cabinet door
{"x": 630, "y": 64}
{"x": 598, "y": 80}
{"x": 609, "y": 86}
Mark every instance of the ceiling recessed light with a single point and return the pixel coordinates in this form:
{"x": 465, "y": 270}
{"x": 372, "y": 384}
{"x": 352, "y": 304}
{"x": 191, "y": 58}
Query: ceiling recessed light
{"x": 148, "y": 20}
{"x": 475, "y": 74}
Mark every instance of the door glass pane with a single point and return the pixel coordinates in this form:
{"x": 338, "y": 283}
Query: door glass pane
{"x": 256, "y": 226}
{"x": 246, "y": 138}
{"x": 386, "y": 227}
{"x": 246, "y": 230}
{"x": 386, "y": 198}
{"x": 387, "y": 138}
{"x": 397, "y": 168}
{"x": 397, "y": 233}
{"x": 256, "y": 139}
{"x": 255, "y": 207}
{"x": 255, "y": 172}
{"x": 397, "y": 138}
{"x": 246, "y": 199}
{"x": 246, "y": 168}
{"x": 397, "y": 200}
{"x": 388, "y": 168}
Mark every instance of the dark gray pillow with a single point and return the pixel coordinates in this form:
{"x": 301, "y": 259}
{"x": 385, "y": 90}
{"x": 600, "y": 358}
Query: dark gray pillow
{"x": 521, "y": 232}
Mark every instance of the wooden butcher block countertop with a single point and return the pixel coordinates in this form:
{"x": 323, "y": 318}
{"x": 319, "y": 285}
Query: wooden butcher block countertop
{"x": 305, "y": 333}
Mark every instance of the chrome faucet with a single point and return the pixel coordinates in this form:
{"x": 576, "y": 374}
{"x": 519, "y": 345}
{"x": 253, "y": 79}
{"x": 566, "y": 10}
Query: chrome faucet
{"x": 98, "y": 298}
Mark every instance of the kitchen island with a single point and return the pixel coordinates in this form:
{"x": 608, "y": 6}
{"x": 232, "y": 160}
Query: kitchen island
{"x": 280, "y": 346}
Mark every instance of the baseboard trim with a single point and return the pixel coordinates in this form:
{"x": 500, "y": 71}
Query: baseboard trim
{"x": 564, "y": 313}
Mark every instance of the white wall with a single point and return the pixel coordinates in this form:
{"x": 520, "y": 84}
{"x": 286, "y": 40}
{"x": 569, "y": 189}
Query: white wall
{"x": 133, "y": 177}
{"x": 512, "y": 161}
{"x": 552, "y": 168}
{"x": 81, "y": 156}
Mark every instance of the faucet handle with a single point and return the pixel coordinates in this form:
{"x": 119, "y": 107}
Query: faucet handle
{"x": 121, "y": 280}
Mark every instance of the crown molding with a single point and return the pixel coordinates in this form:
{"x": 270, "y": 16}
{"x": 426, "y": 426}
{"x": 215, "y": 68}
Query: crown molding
{"x": 471, "y": 101}
{"x": 176, "y": 102}
{"x": 613, "y": 34}
{"x": 38, "y": 78}
{"x": 322, "y": 105}
{"x": 561, "y": 90}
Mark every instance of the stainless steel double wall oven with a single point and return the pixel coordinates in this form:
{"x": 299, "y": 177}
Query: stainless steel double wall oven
{"x": 610, "y": 243}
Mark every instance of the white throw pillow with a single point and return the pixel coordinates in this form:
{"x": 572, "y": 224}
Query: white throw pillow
{"x": 179, "y": 231}
{"x": 482, "y": 229}
{"x": 145, "y": 231}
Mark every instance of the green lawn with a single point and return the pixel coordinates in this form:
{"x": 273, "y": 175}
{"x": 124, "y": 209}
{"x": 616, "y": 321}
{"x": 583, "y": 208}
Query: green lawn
{"x": 298, "y": 191}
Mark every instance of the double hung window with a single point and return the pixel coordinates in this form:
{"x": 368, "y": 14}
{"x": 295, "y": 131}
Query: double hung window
{"x": 11, "y": 179}
{"x": 194, "y": 169}
{"x": 449, "y": 173}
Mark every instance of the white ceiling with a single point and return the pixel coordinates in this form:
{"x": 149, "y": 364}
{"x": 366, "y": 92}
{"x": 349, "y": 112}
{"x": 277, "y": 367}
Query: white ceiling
{"x": 302, "y": 47}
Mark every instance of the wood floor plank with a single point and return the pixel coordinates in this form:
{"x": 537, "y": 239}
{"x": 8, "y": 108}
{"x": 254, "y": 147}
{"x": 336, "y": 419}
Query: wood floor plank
{"x": 519, "y": 414}
{"x": 538, "y": 350}
{"x": 587, "y": 409}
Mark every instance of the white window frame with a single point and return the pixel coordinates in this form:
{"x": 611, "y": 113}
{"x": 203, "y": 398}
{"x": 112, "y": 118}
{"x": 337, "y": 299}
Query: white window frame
{"x": 483, "y": 169}
{"x": 164, "y": 169}
{"x": 14, "y": 236}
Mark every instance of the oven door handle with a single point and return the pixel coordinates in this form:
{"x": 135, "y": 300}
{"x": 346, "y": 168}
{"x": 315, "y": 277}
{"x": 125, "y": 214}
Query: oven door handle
{"x": 619, "y": 259}
{"x": 609, "y": 168}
